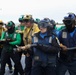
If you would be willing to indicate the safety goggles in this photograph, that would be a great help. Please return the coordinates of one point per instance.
(68, 22)
(43, 25)
(26, 20)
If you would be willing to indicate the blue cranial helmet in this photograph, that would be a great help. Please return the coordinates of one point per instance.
(70, 19)
(45, 23)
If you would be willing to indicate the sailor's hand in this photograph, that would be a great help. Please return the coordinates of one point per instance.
(19, 31)
(26, 47)
(19, 49)
(63, 47)
(22, 47)
(8, 40)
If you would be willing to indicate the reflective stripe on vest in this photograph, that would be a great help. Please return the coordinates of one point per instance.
(36, 39)
(13, 37)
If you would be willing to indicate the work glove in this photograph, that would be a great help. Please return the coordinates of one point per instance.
(64, 48)
(24, 48)
(2, 41)
(39, 46)
(19, 49)
(19, 31)
(7, 41)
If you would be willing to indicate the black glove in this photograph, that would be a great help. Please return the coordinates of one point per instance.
(39, 46)
(2, 41)
(46, 48)
(7, 41)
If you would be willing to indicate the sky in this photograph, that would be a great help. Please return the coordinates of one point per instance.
(53, 9)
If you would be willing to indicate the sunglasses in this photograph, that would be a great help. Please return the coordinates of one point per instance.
(26, 20)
